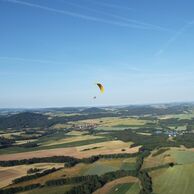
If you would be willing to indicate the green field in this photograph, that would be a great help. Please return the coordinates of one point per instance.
(126, 188)
(107, 165)
(99, 169)
(120, 188)
(182, 157)
(175, 180)
(179, 116)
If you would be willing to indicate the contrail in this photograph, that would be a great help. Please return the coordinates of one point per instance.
(77, 15)
(111, 5)
(175, 37)
(136, 22)
(31, 60)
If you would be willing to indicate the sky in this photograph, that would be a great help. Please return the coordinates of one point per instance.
(52, 53)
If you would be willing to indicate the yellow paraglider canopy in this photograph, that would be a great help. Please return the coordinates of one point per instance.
(101, 87)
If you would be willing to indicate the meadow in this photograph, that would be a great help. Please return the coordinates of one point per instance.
(176, 180)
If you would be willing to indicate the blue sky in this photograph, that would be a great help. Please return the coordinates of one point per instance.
(53, 52)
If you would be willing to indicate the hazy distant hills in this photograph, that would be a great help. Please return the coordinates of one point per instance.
(23, 120)
(93, 110)
(153, 110)
(37, 118)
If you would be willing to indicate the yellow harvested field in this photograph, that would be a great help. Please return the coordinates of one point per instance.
(107, 188)
(8, 135)
(148, 134)
(25, 141)
(109, 147)
(113, 121)
(77, 133)
(7, 174)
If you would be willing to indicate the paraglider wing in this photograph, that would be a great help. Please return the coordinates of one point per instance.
(101, 87)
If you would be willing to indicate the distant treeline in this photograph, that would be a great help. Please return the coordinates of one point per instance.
(185, 139)
(34, 176)
(53, 159)
(69, 161)
(150, 110)
(19, 189)
(5, 142)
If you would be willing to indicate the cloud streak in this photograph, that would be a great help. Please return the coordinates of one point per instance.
(111, 5)
(30, 60)
(124, 19)
(174, 38)
(81, 16)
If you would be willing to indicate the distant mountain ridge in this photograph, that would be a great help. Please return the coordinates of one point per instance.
(23, 120)
(93, 110)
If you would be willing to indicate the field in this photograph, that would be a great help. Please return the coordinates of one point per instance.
(7, 174)
(77, 138)
(115, 122)
(176, 155)
(54, 142)
(122, 185)
(108, 147)
(100, 167)
(179, 116)
(176, 180)
(103, 166)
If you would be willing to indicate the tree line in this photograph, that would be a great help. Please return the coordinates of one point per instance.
(69, 161)
(13, 190)
(34, 176)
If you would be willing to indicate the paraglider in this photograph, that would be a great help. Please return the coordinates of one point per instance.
(101, 87)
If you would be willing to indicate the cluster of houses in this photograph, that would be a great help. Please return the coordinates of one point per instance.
(84, 126)
(172, 133)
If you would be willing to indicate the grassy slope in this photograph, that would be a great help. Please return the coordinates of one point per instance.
(176, 155)
(124, 185)
(126, 188)
(120, 188)
(183, 157)
(103, 166)
(176, 180)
